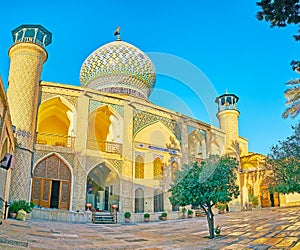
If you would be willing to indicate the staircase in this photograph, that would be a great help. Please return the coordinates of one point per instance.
(103, 218)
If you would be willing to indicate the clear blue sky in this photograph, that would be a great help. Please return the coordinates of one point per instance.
(221, 38)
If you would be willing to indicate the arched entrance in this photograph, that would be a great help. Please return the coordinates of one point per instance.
(51, 183)
(103, 188)
(268, 199)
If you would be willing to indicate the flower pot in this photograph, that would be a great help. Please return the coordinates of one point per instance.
(146, 219)
(127, 220)
(163, 218)
(183, 216)
(12, 215)
(190, 216)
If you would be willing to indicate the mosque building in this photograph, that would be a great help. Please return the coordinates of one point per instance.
(103, 143)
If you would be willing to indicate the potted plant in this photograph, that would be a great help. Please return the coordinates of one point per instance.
(127, 216)
(221, 206)
(190, 213)
(183, 210)
(13, 209)
(164, 216)
(146, 217)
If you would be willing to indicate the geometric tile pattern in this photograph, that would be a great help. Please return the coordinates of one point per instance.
(93, 104)
(119, 67)
(117, 164)
(38, 154)
(143, 119)
(25, 70)
(21, 174)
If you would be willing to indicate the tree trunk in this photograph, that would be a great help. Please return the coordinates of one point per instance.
(210, 221)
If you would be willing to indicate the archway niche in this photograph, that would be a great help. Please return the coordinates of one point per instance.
(51, 183)
(103, 188)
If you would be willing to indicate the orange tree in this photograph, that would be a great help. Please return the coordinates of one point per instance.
(205, 185)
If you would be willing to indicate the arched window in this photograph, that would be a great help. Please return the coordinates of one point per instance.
(157, 169)
(51, 183)
(139, 167)
(174, 168)
(139, 200)
(158, 200)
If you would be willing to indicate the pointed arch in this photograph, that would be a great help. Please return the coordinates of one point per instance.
(158, 198)
(102, 186)
(139, 167)
(56, 121)
(174, 168)
(51, 182)
(139, 200)
(158, 169)
(105, 125)
(157, 134)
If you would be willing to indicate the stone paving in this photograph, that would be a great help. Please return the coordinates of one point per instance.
(276, 228)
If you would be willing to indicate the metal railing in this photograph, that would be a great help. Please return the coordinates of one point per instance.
(55, 139)
(108, 147)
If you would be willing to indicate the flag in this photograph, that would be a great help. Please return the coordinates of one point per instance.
(117, 32)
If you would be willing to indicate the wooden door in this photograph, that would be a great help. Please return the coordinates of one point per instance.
(64, 195)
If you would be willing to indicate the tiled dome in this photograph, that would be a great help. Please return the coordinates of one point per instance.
(119, 67)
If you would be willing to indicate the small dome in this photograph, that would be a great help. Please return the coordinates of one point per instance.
(119, 67)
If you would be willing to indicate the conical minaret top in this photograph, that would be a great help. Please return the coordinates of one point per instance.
(30, 33)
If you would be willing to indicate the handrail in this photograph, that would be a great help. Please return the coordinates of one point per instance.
(108, 147)
(55, 139)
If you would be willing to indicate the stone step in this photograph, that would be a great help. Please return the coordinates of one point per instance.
(103, 218)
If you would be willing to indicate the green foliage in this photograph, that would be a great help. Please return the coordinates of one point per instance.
(146, 215)
(212, 182)
(293, 98)
(255, 201)
(183, 210)
(21, 204)
(281, 13)
(127, 215)
(190, 212)
(221, 206)
(164, 214)
(284, 160)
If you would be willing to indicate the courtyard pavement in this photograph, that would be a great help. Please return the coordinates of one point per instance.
(276, 228)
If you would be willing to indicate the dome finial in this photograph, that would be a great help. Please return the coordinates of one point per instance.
(117, 33)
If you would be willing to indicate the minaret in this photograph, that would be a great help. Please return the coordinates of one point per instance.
(228, 118)
(27, 56)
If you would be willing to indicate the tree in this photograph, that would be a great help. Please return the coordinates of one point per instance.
(285, 164)
(205, 185)
(293, 99)
(280, 13)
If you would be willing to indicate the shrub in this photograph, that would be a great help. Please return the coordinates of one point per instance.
(21, 204)
(255, 201)
(146, 215)
(221, 206)
(164, 214)
(190, 212)
(127, 215)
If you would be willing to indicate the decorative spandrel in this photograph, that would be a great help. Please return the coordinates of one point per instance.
(143, 119)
